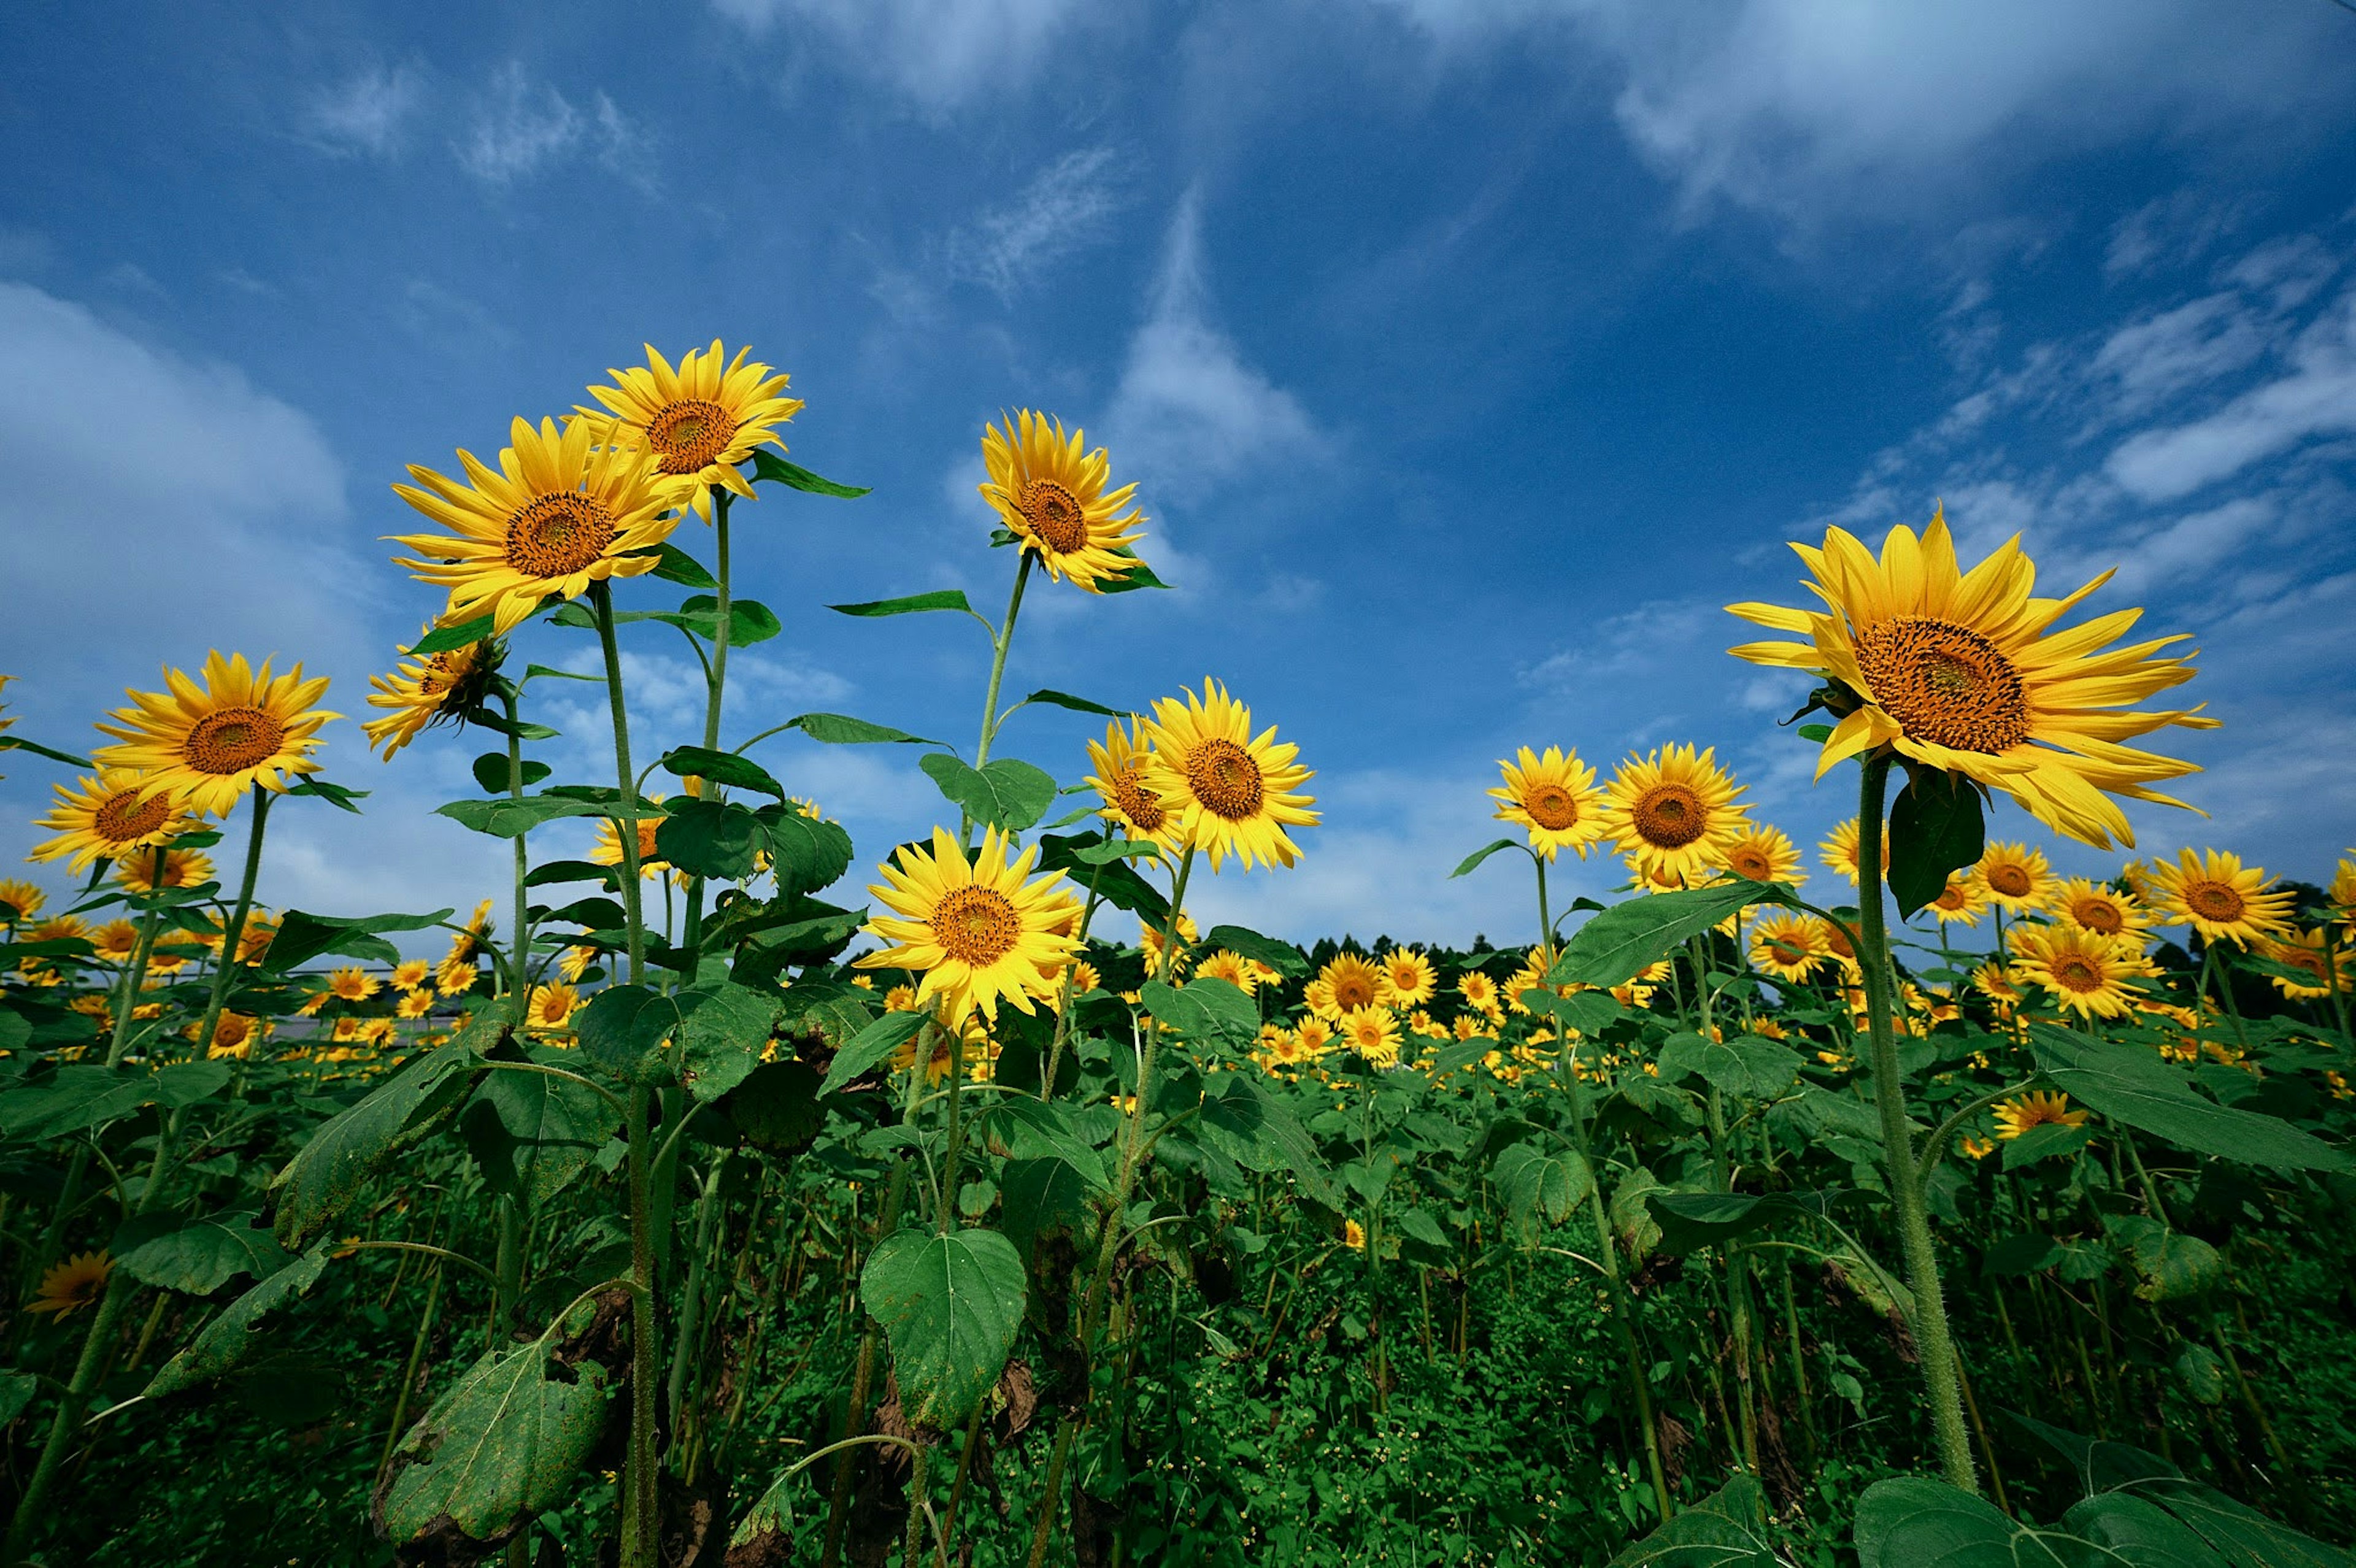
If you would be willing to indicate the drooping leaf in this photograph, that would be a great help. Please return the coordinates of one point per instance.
(1727, 1528)
(839, 729)
(2138, 1534)
(492, 771)
(303, 937)
(1076, 704)
(767, 465)
(1116, 883)
(1936, 828)
(1036, 1129)
(1747, 1067)
(908, 604)
(2134, 1086)
(721, 1039)
(533, 1133)
(506, 817)
(229, 1339)
(676, 566)
(749, 619)
(502, 1446)
(2242, 1536)
(1003, 793)
(81, 1095)
(710, 838)
(720, 768)
(1210, 1012)
(1472, 861)
(1691, 1221)
(1261, 1134)
(775, 1107)
(951, 1305)
(1281, 957)
(806, 854)
(1615, 945)
(196, 1255)
(1043, 1195)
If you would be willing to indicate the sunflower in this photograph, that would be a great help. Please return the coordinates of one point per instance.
(562, 511)
(20, 902)
(1353, 1235)
(1149, 941)
(233, 1034)
(1084, 977)
(2214, 894)
(411, 974)
(1841, 850)
(2343, 889)
(1788, 946)
(1961, 901)
(420, 693)
(1479, 991)
(1991, 980)
(2086, 972)
(2304, 951)
(980, 933)
(1766, 854)
(60, 928)
(1672, 813)
(1232, 793)
(261, 929)
(1345, 984)
(1555, 797)
(1409, 978)
(552, 1006)
(115, 940)
(1050, 492)
(2036, 1109)
(1373, 1033)
(700, 421)
(203, 745)
(2092, 906)
(1233, 967)
(1839, 943)
(182, 868)
(941, 1054)
(414, 1004)
(73, 1285)
(1978, 1148)
(1315, 1035)
(108, 815)
(2020, 879)
(1119, 777)
(1954, 671)
(353, 984)
(574, 961)
(607, 850)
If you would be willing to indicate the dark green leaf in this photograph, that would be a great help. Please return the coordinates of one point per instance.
(1138, 576)
(533, 1133)
(1003, 793)
(492, 773)
(229, 1339)
(2047, 1140)
(22, 744)
(710, 838)
(838, 729)
(450, 638)
(914, 604)
(1076, 704)
(1116, 884)
(1691, 1221)
(303, 937)
(1934, 829)
(1208, 1012)
(560, 872)
(2242, 1536)
(1541, 1184)
(1747, 1067)
(1281, 957)
(1636, 932)
(768, 465)
(678, 565)
(2131, 1086)
(722, 768)
(1910, 1521)
(1483, 853)
(334, 793)
(196, 1256)
(749, 619)
(951, 1305)
(806, 853)
(1043, 1195)
(2139, 1534)
(1727, 1528)
(508, 818)
(86, 1094)
(873, 1044)
(776, 1106)
(726, 1029)
(505, 1443)
(2024, 1254)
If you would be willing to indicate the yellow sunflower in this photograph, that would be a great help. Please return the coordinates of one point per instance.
(2020, 879)
(1555, 797)
(1788, 946)
(75, 1283)
(1840, 851)
(574, 961)
(1149, 941)
(1479, 991)
(109, 816)
(1373, 1033)
(2218, 897)
(562, 511)
(1346, 984)
(1353, 1235)
(1961, 901)
(203, 745)
(2092, 906)
(1956, 670)
(1120, 778)
(700, 421)
(552, 1006)
(1766, 854)
(1409, 978)
(1673, 814)
(420, 693)
(353, 984)
(1050, 491)
(115, 940)
(1084, 977)
(1991, 980)
(2090, 974)
(981, 933)
(233, 1034)
(20, 902)
(1233, 967)
(182, 868)
(1315, 1035)
(2036, 1109)
(414, 1004)
(60, 928)
(607, 850)
(2304, 951)
(1231, 792)
(410, 974)
(1839, 943)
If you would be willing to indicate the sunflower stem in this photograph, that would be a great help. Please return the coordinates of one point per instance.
(715, 677)
(1929, 1323)
(1004, 641)
(234, 937)
(1545, 915)
(639, 1547)
(519, 938)
(601, 599)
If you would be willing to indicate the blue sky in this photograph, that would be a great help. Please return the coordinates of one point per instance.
(1469, 355)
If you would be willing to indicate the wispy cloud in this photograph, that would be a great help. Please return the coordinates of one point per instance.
(369, 112)
(521, 126)
(941, 54)
(1066, 208)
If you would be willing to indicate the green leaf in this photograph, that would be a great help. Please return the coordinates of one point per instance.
(510, 819)
(334, 793)
(531, 1132)
(2023, 1253)
(1747, 1067)
(1819, 734)
(775, 1107)
(331, 1172)
(1936, 827)
(22, 744)
(2047, 1140)
(950, 1306)
(710, 838)
(1040, 1129)
(1910, 1521)
(1138, 576)
(2242, 1536)
(839, 730)
(1042, 1195)
(678, 565)
(722, 768)
(1209, 1012)
(874, 1043)
(2131, 1086)
(1483, 853)
(554, 872)
(450, 638)
(749, 619)
(2139, 1533)
(2200, 1372)
(1003, 793)
(1076, 704)
(1634, 934)
(1281, 957)
(17, 1391)
(1538, 1183)
(196, 1256)
(911, 604)
(1116, 884)
(492, 773)
(503, 1444)
(768, 465)
(303, 937)
(229, 1338)
(1258, 1133)
(1589, 1012)
(1692, 1220)
(2173, 1265)
(806, 853)
(86, 1094)
(1727, 1528)
(726, 1029)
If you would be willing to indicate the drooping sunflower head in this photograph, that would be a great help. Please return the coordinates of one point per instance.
(2088, 973)
(75, 1283)
(1673, 814)
(1765, 854)
(1957, 670)
(438, 689)
(204, 745)
(2220, 898)
(20, 902)
(1049, 489)
(1961, 901)
(2098, 907)
(698, 421)
(980, 933)
(2306, 954)
(1120, 778)
(181, 869)
(1409, 978)
(1232, 793)
(2020, 879)
(112, 815)
(1555, 797)
(561, 510)
(2036, 1109)
(1787, 945)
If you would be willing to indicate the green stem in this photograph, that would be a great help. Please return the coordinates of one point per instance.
(715, 685)
(639, 1546)
(233, 934)
(518, 938)
(1930, 1325)
(409, 1373)
(601, 598)
(1004, 641)
(1545, 915)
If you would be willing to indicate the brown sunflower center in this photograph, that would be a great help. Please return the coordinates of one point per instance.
(1951, 897)
(976, 927)
(2073, 972)
(1551, 806)
(1784, 952)
(2101, 914)
(1836, 938)
(1056, 518)
(1224, 778)
(1750, 862)
(1134, 801)
(1670, 816)
(2213, 901)
(2304, 959)
(1354, 990)
(2012, 882)
(691, 435)
(231, 740)
(125, 817)
(558, 534)
(1944, 684)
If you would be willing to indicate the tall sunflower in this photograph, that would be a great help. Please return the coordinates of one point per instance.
(698, 421)
(1673, 814)
(420, 693)
(2018, 877)
(109, 816)
(1050, 491)
(1787, 945)
(2090, 974)
(1766, 854)
(1957, 670)
(2220, 898)
(205, 745)
(607, 850)
(1555, 797)
(2305, 952)
(562, 510)
(1841, 850)
(182, 868)
(1120, 779)
(1231, 792)
(981, 933)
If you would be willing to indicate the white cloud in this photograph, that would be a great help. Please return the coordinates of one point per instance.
(521, 126)
(940, 53)
(1066, 208)
(2156, 358)
(368, 113)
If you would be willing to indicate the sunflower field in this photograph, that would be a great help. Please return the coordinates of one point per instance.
(740, 1195)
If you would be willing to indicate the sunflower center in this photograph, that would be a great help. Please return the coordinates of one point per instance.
(231, 740)
(1945, 684)
(1224, 778)
(1056, 518)
(1551, 806)
(558, 534)
(2012, 882)
(1785, 952)
(2303, 960)
(1836, 938)
(2101, 914)
(691, 435)
(1134, 801)
(2079, 974)
(2213, 901)
(976, 927)
(1670, 816)
(1951, 897)
(1749, 863)
(125, 817)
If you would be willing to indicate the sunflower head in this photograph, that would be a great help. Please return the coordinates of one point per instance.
(20, 902)
(438, 689)
(2099, 907)
(1787, 945)
(2036, 1109)
(1233, 967)
(2220, 898)
(1373, 1033)
(1347, 983)
(1119, 778)
(2085, 971)
(75, 1283)
(2309, 956)
(1961, 901)
(180, 869)
(698, 421)
(1765, 854)
(2018, 877)
(552, 1006)
(1409, 978)
(1554, 796)
(978, 931)
(1049, 490)
(203, 745)
(112, 815)
(1673, 814)
(1231, 792)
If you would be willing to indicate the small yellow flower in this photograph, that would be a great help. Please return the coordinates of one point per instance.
(1353, 1235)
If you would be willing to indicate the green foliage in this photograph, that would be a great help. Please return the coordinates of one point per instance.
(506, 1441)
(950, 1303)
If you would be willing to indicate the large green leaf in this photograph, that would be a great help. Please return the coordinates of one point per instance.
(196, 1255)
(1936, 827)
(1691, 1221)
(1003, 793)
(533, 1133)
(1633, 934)
(2242, 1536)
(1044, 1194)
(2139, 1533)
(2172, 1264)
(1038, 1129)
(720, 768)
(510, 819)
(81, 1095)
(710, 838)
(1727, 1528)
(303, 937)
(1910, 1521)
(806, 854)
(1210, 1012)
(2134, 1087)
(722, 1038)
(503, 1444)
(1539, 1183)
(1260, 1133)
(1281, 957)
(951, 1305)
(872, 1045)
(229, 1338)
(1747, 1067)
(1117, 883)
